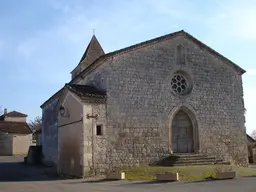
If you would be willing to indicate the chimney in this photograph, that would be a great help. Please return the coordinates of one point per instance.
(5, 111)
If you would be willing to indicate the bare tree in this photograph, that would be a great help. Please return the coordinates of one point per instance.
(36, 124)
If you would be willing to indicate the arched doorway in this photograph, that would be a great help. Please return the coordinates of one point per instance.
(182, 136)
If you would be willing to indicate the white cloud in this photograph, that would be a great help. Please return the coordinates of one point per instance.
(59, 5)
(27, 48)
(51, 54)
(234, 19)
(77, 25)
(168, 7)
(250, 72)
(220, 3)
(250, 105)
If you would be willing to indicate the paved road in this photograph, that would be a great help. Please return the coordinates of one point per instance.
(15, 176)
(12, 169)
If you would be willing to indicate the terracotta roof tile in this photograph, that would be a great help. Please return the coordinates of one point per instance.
(85, 90)
(15, 127)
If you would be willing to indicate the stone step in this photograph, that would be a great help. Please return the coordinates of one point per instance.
(175, 158)
(192, 160)
(189, 159)
(187, 155)
(200, 163)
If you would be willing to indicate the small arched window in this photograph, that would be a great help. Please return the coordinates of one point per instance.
(180, 55)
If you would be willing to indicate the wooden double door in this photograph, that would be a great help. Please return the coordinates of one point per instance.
(182, 133)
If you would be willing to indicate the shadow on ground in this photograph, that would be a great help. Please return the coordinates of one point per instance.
(100, 181)
(153, 182)
(249, 176)
(92, 181)
(202, 181)
(18, 171)
(166, 182)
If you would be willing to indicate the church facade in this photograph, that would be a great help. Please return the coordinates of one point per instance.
(172, 94)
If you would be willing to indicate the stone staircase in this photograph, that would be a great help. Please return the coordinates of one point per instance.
(190, 159)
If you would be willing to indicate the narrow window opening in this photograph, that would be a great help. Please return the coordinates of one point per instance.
(180, 55)
(99, 130)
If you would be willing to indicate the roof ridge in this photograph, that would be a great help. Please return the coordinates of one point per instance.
(15, 113)
(92, 52)
(156, 40)
(147, 43)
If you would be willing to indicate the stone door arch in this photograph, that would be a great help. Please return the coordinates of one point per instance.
(183, 137)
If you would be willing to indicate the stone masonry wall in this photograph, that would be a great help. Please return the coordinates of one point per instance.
(141, 103)
(95, 146)
(50, 133)
(70, 137)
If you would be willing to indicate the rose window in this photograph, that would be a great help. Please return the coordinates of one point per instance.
(179, 84)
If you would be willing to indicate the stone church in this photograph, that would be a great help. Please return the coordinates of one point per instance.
(172, 94)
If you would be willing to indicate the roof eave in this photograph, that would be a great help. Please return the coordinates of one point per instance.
(155, 40)
(52, 97)
(237, 67)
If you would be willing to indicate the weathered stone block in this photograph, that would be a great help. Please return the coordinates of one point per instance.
(116, 176)
(168, 176)
(226, 175)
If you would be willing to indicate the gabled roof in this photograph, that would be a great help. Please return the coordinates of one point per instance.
(93, 47)
(85, 91)
(14, 127)
(92, 52)
(81, 91)
(103, 57)
(12, 114)
(55, 95)
(160, 39)
(15, 114)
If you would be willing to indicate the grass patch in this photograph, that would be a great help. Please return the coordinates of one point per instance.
(185, 172)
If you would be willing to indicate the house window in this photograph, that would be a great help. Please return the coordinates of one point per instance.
(99, 130)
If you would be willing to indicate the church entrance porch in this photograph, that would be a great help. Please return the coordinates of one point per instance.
(182, 133)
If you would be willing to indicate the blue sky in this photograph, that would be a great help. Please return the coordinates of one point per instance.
(42, 41)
